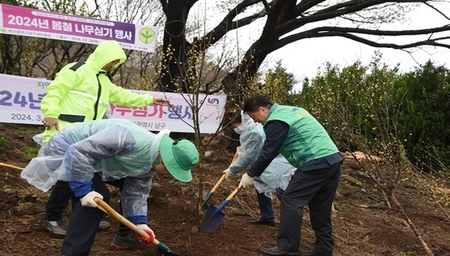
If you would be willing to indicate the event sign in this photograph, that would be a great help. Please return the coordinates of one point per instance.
(21, 21)
(20, 99)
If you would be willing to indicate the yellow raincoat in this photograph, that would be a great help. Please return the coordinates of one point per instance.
(82, 92)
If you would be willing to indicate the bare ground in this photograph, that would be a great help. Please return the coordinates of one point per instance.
(364, 224)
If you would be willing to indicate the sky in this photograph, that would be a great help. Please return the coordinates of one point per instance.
(303, 58)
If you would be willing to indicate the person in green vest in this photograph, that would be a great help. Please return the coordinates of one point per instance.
(110, 151)
(82, 92)
(304, 142)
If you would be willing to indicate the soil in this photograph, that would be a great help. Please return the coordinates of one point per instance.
(363, 224)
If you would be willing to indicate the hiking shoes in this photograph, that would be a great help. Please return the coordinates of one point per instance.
(58, 228)
(128, 241)
(103, 225)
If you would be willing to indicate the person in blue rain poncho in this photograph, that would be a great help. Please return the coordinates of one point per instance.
(277, 174)
(81, 92)
(112, 151)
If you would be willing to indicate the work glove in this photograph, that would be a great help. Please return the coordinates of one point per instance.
(88, 199)
(246, 180)
(227, 173)
(147, 230)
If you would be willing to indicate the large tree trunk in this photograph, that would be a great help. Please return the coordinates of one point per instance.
(175, 46)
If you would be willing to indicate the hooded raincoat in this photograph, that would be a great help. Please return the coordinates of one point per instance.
(82, 91)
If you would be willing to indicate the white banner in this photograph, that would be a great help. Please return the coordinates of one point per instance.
(20, 99)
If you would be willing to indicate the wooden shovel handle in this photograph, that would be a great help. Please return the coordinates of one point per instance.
(11, 166)
(102, 205)
(230, 197)
(214, 189)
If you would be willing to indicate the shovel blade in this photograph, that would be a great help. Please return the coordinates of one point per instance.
(212, 219)
(204, 209)
(166, 250)
(205, 205)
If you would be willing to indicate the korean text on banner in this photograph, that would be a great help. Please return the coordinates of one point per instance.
(21, 21)
(20, 99)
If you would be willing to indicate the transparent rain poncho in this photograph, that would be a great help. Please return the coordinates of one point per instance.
(276, 175)
(251, 142)
(116, 148)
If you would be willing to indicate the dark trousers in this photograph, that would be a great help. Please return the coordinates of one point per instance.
(265, 205)
(84, 222)
(315, 188)
(58, 201)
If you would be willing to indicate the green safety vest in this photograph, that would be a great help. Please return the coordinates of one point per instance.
(306, 140)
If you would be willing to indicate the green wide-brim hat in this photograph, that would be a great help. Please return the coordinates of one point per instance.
(179, 157)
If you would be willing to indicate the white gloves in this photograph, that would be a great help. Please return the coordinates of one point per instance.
(228, 173)
(88, 199)
(147, 230)
(246, 181)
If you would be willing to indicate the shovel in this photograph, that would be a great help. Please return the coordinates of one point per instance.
(214, 189)
(102, 205)
(214, 216)
(211, 193)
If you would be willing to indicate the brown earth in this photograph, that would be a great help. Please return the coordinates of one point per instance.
(363, 224)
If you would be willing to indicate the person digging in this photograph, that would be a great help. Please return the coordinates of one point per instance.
(111, 151)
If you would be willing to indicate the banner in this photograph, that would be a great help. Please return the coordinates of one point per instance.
(20, 99)
(36, 23)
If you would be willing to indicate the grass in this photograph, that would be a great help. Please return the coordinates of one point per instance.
(4, 144)
(31, 151)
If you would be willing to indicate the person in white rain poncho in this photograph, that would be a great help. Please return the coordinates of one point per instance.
(113, 151)
(277, 174)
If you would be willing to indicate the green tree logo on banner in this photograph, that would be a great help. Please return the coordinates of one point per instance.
(146, 35)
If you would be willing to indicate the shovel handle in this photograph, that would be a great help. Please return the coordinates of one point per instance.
(12, 166)
(239, 188)
(219, 182)
(105, 207)
(229, 198)
(214, 189)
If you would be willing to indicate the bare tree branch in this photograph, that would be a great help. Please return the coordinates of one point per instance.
(349, 33)
(357, 20)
